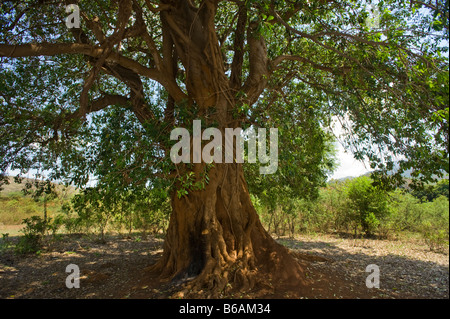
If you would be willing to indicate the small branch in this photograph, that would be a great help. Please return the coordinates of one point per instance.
(281, 58)
(99, 104)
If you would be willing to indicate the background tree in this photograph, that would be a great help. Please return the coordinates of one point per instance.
(231, 64)
(367, 205)
(40, 190)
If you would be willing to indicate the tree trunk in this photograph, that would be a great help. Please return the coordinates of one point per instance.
(216, 241)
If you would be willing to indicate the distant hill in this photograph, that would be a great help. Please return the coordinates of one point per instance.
(15, 188)
(406, 175)
(343, 179)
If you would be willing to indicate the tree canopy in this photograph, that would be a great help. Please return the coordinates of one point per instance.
(378, 67)
(100, 100)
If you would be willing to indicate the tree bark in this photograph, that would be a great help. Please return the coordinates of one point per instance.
(216, 241)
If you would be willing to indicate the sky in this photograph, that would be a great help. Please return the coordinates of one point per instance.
(348, 166)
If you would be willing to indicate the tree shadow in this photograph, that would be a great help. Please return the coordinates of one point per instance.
(400, 276)
(114, 269)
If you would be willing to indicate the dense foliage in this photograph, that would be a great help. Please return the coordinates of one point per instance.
(357, 208)
(379, 68)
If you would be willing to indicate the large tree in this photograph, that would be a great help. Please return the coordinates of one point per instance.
(102, 98)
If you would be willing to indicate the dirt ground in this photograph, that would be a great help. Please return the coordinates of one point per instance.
(118, 270)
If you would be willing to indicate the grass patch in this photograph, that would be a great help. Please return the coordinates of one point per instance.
(14, 208)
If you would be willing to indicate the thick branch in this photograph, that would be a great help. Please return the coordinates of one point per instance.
(52, 49)
(100, 104)
(81, 113)
(95, 27)
(238, 59)
(146, 36)
(259, 65)
(159, 8)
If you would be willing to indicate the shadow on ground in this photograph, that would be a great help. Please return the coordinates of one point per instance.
(116, 269)
(400, 276)
(107, 270)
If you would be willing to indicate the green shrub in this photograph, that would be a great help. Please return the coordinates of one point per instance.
(434, 226)
(28, 244)
(368, 205)
(33, 230)
(434, 236)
